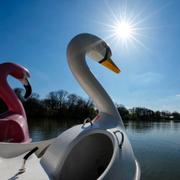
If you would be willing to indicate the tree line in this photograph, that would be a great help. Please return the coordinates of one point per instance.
(65, 106)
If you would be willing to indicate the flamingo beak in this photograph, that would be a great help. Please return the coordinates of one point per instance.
(27, 87)
(108, 63)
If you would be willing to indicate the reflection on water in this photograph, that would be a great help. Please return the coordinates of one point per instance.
(157, 148)
(156, 144)
(43, 129)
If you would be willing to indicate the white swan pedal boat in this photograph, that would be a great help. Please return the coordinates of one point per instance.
(97, 149)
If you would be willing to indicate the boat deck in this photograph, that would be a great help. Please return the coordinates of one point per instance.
(9, 168)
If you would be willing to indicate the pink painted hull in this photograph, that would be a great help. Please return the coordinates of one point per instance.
(13, 128)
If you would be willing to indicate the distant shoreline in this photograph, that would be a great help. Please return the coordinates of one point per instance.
(72, 121)
(65, 106)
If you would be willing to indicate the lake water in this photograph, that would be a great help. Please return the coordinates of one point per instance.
(156, 145)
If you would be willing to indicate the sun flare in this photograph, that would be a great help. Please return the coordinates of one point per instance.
(126, 28)
(123, 30)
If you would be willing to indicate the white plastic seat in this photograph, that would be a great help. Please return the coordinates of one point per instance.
(85, 157)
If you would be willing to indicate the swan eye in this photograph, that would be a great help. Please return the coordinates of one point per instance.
(107, 53)
(104, 44)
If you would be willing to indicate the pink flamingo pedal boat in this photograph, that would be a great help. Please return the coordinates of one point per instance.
(13, 123)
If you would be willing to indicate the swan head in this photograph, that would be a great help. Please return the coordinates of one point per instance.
(94, 47)
(19, 72)
(101, 53)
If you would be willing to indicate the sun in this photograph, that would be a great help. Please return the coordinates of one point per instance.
(123, 30)
(126, 28)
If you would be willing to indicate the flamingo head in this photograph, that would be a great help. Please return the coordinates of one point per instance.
(19, 72)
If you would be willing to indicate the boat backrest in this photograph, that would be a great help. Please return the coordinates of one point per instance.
(10, 131)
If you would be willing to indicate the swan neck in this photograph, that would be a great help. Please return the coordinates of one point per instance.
(90, 84)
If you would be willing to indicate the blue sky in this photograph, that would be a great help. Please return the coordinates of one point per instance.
(36, 33)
